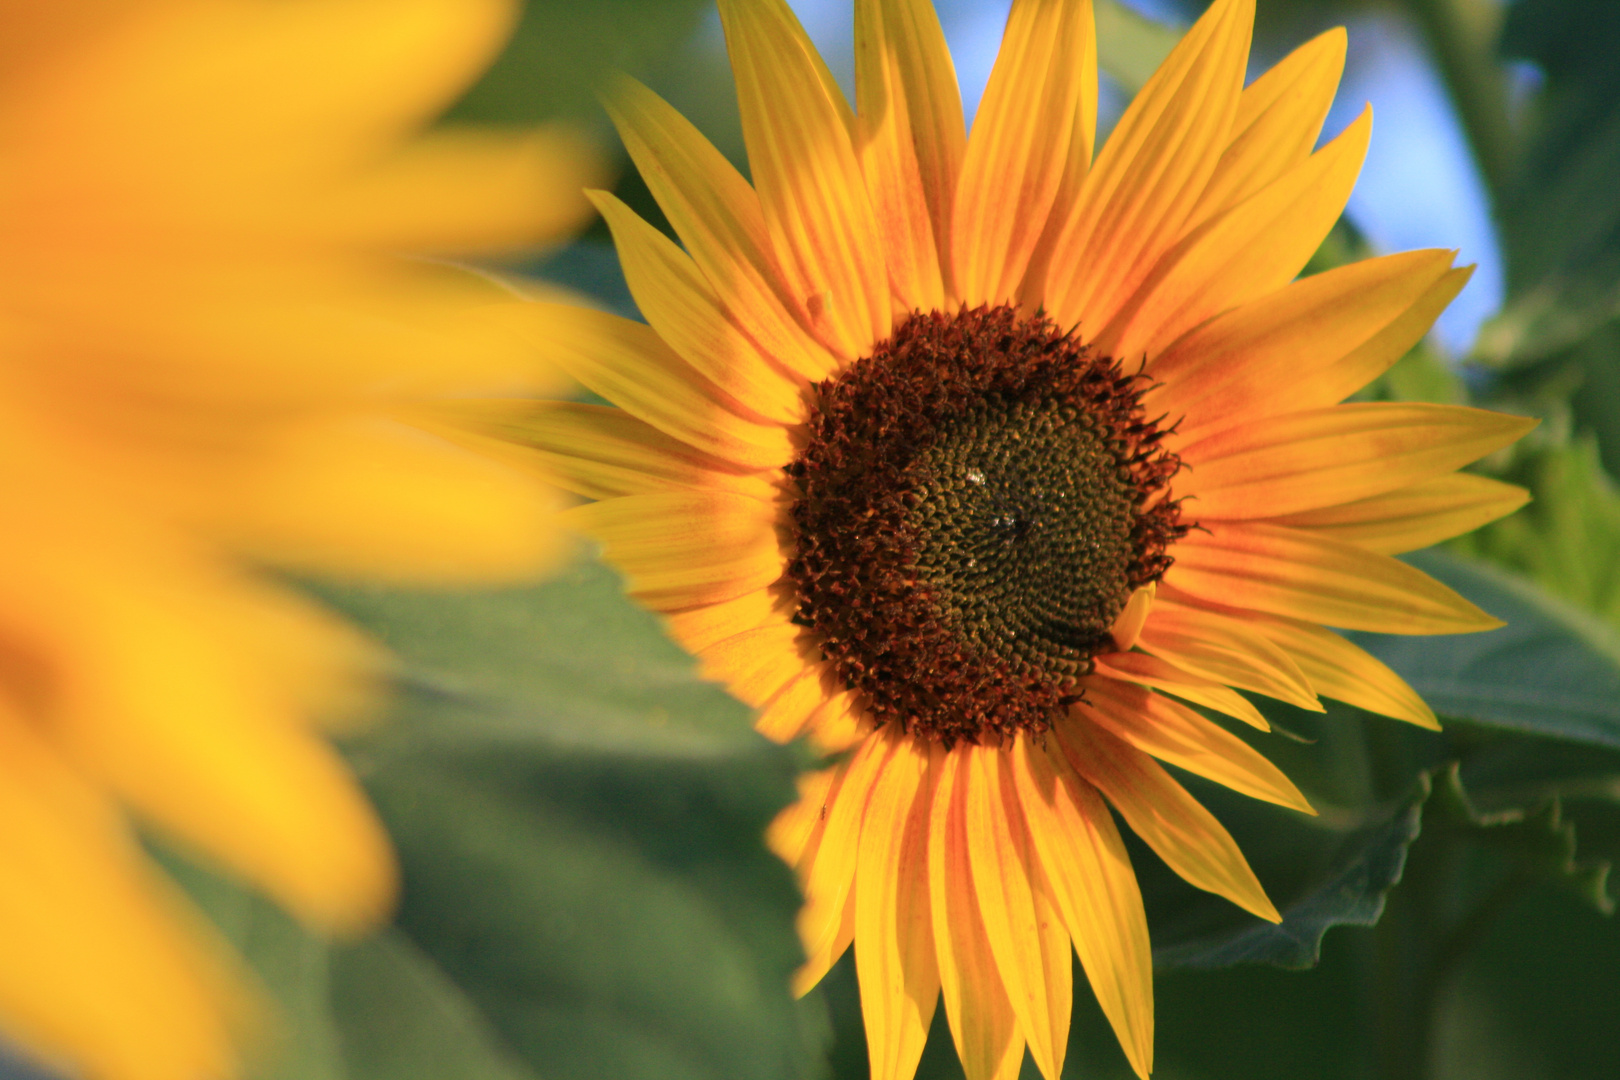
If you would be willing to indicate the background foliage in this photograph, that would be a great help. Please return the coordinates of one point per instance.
(579, 817)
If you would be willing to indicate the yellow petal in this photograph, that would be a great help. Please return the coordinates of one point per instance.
(630, 365)
(1413, 517)
(1085, 866)
(1082, 141)
(827, 866)
(793, 830)
(1174, 733)
(1250, 361)
(1324, 457)
(1146, 670)
(1252, 250)
(594, 450)
(361, 494)
(1018, 149)
(810, 185)
(1133, 616)
(682, 549)
(1379, 353)
(1345, 672)
(719, 219)
(1135, 202)
(787, 715)
(911, 139)
(1226, 651)
(676, 301)
(1292, 573)
(1036, 975)
(983, 1025)
(839, 724)
(104, 975)
(894, 946)
(1278, 119)
(462, 192)
(169, 710)
(1159, 810)
(755, 665)
(696, 628)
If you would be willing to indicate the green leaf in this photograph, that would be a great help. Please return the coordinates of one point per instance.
(579, 821)
(1567, 539)
(376, 1010)
(1350, 887)
(1350, 872)
(1552, 670)
(562, 53)
(1539, 842)
(1560, 220)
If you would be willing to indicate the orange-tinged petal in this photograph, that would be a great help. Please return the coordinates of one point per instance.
(912, 139)
(678, 302)
(104, 974)
(901, 67)
(1088, 873)
(630, 365)
(787, 715)
(755, 665)
(1278, 119)
(1018, 149)
(1292, 573)
(838, 724)
(1159, 810)
(1415, 516)
(894, 946)
(697, 628)
(1082, 142)
(1006, 883)
(1251, 250)
(1226, 651)
(1325, 457)
(682, 549)
(983, 1025)
(1174, 733)
(792, 831)
(1147, 670)
(1135, 202)
(1250, 361)
(596, 451)
(827, 866)
(810, 186)
(719, 219)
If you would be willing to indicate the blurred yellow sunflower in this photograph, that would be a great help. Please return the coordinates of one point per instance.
(981, 457)
(209, 347)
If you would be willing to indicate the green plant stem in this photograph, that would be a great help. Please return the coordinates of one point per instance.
(1462, 35)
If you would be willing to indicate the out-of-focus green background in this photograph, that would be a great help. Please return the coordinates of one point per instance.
(579, 817)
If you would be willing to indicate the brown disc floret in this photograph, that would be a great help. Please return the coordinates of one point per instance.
(974, 504)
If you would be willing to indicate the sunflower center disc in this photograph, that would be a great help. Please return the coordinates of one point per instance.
(976, 501)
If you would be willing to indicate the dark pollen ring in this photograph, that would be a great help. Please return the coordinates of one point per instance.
(975, 503)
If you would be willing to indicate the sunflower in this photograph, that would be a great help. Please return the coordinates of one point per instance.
(981, 459)
(209, 352)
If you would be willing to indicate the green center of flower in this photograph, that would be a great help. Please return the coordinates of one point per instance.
(976, 501)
